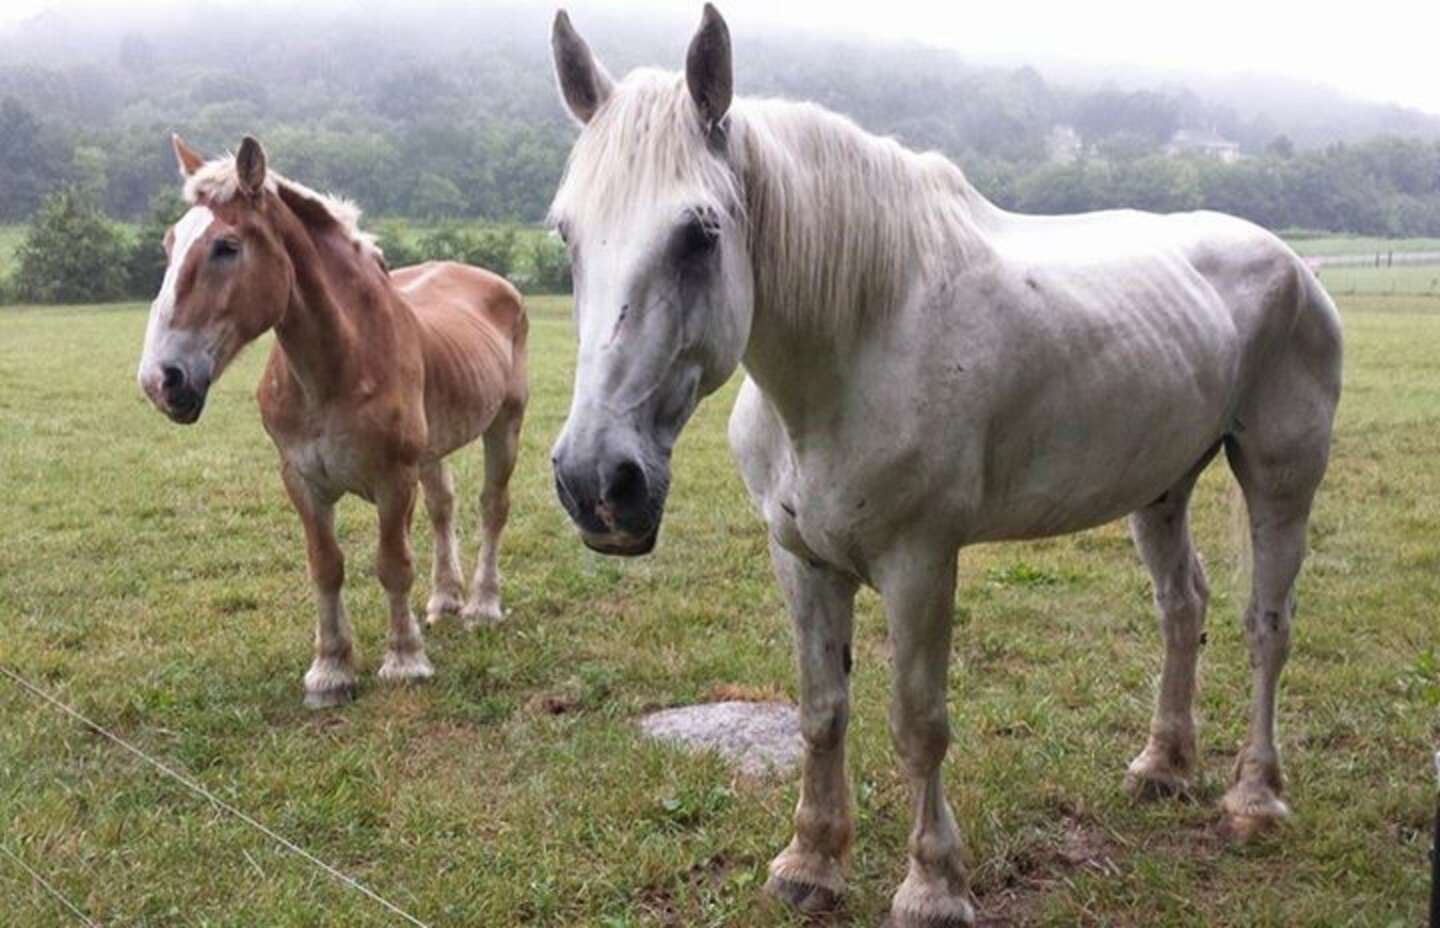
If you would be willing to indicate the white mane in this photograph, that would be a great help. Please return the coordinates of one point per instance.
(218, 182)
(837, 219)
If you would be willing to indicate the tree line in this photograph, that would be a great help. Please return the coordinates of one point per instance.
(444, 122)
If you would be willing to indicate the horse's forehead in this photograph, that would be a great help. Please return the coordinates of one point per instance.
(189, 229)
(184, 234)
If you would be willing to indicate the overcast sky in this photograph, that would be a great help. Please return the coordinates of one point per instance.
(1386, 50)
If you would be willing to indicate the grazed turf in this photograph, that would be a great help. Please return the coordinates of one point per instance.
(154, 577)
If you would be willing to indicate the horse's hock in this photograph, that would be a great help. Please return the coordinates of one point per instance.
(757, 738)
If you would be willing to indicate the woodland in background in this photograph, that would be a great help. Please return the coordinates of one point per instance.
(452, 115)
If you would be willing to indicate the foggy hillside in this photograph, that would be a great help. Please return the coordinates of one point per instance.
(453, 111)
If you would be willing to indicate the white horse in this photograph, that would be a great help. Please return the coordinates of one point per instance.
(926, 371)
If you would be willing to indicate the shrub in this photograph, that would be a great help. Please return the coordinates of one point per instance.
(549, 266)
(72, 253)
(492, 249)
(399, 248)
(145, 265)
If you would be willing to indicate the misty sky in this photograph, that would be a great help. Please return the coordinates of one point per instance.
(1379, 50)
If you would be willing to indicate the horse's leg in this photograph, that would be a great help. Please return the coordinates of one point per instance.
(1278, 494)
(1278, 452)
(807, 874)
(447, 592)
(404, 648)
(919, 593)
(1162, 536)
(330, 681)
(502, 446)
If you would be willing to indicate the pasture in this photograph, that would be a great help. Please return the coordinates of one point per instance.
(153, 576)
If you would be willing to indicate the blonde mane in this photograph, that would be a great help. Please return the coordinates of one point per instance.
(217, 181)
(840, 223)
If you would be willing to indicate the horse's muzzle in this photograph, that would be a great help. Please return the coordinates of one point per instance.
(616, 504)
(178, 394)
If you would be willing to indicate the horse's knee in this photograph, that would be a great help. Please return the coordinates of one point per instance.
(1182, 604)
(327, 570)
(921, 732)
(495, 504)
(823, 722)
(396, 570)
(439, 499)
(1267, 630)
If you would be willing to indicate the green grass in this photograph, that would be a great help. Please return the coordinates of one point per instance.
(154, 576)
(1323, 245)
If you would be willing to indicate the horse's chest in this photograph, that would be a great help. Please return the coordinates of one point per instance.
(331, 463)
(823, 519)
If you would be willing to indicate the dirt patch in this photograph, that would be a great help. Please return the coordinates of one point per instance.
(666, 905)
(560, 702)
(1031, 872)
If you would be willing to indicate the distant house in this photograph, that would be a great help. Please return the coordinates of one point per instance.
(1204, 142)
(1063, 144)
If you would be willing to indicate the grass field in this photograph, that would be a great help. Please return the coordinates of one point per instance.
(1399, 280)
(153, 576)
(1359, 245)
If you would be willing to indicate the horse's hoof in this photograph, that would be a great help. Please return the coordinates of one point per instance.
(1252, 810)
(330, 698)
(442, 605)
(1151, 783)
(948, 919)
(809, 898)
(930, 904)
(409, 667)
(476, 614)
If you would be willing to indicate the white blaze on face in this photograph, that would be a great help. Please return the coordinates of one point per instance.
(188, 231)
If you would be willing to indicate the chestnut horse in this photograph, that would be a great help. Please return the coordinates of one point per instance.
(925, 372)
(375, 377)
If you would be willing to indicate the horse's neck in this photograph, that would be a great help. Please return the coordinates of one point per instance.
(836, 260)
(335, 308)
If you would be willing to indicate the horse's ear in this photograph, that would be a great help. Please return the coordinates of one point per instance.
(250, 166)
(188, 159)
(584, 83)
(709, 72)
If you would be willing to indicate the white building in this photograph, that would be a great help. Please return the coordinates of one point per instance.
(1204, 142)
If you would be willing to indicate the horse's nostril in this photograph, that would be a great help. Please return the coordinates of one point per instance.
(171, 377)
(626, 484)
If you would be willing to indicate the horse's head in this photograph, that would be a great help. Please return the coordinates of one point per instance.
(228, 279)
(653, 215)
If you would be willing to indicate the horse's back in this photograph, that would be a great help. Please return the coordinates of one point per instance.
(445, 295)
(1119, 349)
(473, 328)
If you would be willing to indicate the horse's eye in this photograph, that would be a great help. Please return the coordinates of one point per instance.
(224, 248)
(698, 235)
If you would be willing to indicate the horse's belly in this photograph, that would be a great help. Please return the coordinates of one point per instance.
(1069, 474)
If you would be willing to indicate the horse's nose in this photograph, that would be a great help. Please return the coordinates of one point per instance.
(172, 378)
(624, 486)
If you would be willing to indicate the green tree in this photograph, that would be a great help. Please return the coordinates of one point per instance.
(436, 197)
(31, 160)
(71, 254)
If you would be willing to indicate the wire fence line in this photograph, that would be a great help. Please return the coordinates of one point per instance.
(45, 884)
(198, 789)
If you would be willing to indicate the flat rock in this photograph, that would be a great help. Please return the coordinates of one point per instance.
(757, 738)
